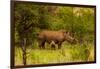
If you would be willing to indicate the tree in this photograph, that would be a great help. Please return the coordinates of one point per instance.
(24, 23)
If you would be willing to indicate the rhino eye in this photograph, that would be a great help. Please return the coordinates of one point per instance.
(66, 32)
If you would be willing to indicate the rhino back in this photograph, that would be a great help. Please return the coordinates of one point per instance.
(52, 35)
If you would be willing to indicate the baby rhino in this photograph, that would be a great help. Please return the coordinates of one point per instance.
(54, 37)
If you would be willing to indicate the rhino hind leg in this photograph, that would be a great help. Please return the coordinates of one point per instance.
(42, 45)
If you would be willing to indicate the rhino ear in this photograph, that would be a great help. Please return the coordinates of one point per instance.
(67, 32)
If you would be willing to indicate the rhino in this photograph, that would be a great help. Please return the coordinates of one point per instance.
(54, 37)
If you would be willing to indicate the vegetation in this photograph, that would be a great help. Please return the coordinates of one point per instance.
(32, 18)
(67, 54)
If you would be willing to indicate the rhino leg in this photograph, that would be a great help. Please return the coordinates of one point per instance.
(52, 44)
(42, 44)
(59, 45)
(53, 47)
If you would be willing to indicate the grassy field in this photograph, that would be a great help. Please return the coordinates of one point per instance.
(68, 53)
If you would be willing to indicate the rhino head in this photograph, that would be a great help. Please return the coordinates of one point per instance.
(69, 38)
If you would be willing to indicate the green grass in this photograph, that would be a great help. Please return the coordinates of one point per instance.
(68, 53)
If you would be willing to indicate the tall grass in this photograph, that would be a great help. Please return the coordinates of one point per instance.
(68, 53)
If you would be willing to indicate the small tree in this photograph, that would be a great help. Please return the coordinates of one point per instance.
(24, 22)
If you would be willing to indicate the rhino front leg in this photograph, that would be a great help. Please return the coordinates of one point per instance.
(59, 45)
(52, 44)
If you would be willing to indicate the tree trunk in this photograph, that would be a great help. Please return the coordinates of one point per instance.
(24, 51)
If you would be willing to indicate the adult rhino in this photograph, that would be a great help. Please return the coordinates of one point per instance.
(54, 37)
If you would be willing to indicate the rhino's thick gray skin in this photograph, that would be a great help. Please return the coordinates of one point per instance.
(55, 37)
